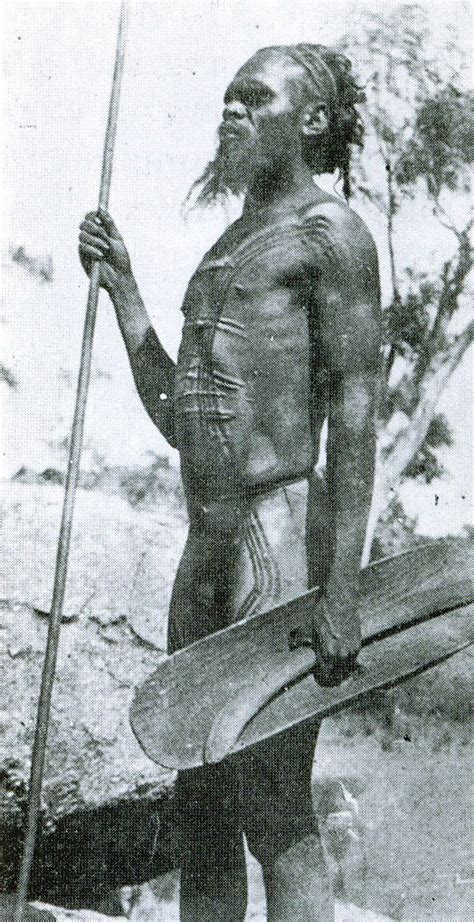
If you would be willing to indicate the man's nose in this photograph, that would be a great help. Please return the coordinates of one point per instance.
(234, 110)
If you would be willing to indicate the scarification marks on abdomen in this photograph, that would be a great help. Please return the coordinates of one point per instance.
(265, 571)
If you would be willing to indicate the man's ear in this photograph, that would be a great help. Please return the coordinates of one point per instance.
(315, 121)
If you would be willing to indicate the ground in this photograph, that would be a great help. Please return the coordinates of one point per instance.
(406, 759)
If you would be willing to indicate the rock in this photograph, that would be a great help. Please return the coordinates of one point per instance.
(122, 559)
(82, 915)
(158, 900)
(122, 564)
(30, 913)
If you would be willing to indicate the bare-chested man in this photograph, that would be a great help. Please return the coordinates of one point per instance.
(281, 332)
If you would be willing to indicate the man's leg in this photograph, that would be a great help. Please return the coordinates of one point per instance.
(287, 548)
(281, 826)
(298, 885)
(213, 871)
(296, 875)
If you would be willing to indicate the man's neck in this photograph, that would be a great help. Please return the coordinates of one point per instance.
(276, 189)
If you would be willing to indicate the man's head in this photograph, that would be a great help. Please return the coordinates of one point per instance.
(287, 101)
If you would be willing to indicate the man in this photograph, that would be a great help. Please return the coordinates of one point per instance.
(281, 332)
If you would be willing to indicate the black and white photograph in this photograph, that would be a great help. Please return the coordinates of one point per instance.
(236, 578)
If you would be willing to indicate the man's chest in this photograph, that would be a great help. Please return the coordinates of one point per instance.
(242, 379)
(249, 299)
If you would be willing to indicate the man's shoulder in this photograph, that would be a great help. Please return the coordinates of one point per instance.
(333, 220)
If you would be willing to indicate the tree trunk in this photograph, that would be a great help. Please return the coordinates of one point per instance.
(388, 470)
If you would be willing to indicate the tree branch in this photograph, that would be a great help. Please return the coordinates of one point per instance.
(391, 211)
(434, 382)
(453, 277)
(388, 365)
(448, 223)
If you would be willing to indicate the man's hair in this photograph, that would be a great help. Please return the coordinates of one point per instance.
(329, 79)
(345, 123)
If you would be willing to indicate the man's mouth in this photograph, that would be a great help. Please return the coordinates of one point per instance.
(231, 131)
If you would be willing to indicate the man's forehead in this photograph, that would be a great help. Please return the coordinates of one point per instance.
(246, 82)
(265, 71)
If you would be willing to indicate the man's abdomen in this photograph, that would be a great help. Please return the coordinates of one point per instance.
(242, 400)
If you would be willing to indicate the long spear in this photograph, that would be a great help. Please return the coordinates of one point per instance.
(72, 475)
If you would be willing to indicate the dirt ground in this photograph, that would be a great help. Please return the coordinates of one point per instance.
(414, 791)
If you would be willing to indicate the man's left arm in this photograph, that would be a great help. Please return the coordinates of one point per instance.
(349, 333)
(350, 475)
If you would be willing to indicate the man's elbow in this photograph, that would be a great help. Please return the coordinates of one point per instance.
(161, 413)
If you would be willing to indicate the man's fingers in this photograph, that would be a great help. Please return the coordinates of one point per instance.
(327, 673)
(92, 216)
(322, 674)
(90, 252)
(92, 240)
(327, 647)
(102, 218)
(107, 221)
(330, 672)
(96, 230)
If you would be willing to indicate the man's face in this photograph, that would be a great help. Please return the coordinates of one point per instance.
(260, 126)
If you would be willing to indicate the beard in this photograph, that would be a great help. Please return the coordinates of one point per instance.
(238, 160)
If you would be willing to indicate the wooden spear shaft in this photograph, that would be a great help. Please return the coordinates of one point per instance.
(72, 475)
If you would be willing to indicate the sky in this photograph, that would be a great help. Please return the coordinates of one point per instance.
(58, 60)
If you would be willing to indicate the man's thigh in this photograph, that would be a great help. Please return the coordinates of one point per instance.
(276, 805)
(208, 825)
(264, 792)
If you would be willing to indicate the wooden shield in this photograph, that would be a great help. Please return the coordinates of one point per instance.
(244, 684)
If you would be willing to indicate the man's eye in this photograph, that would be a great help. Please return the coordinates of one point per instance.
(250, 97)
(254, 98)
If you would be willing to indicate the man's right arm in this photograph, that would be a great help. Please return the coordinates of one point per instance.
(152, 368)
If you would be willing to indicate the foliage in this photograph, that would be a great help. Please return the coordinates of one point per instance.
(8, 377)
(41, 267)
(442, 143)
(140, 485)
(425, 464)
(396, 531)
(419, 147)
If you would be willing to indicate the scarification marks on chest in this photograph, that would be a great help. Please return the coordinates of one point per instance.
(211, 286)
(214, 422)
